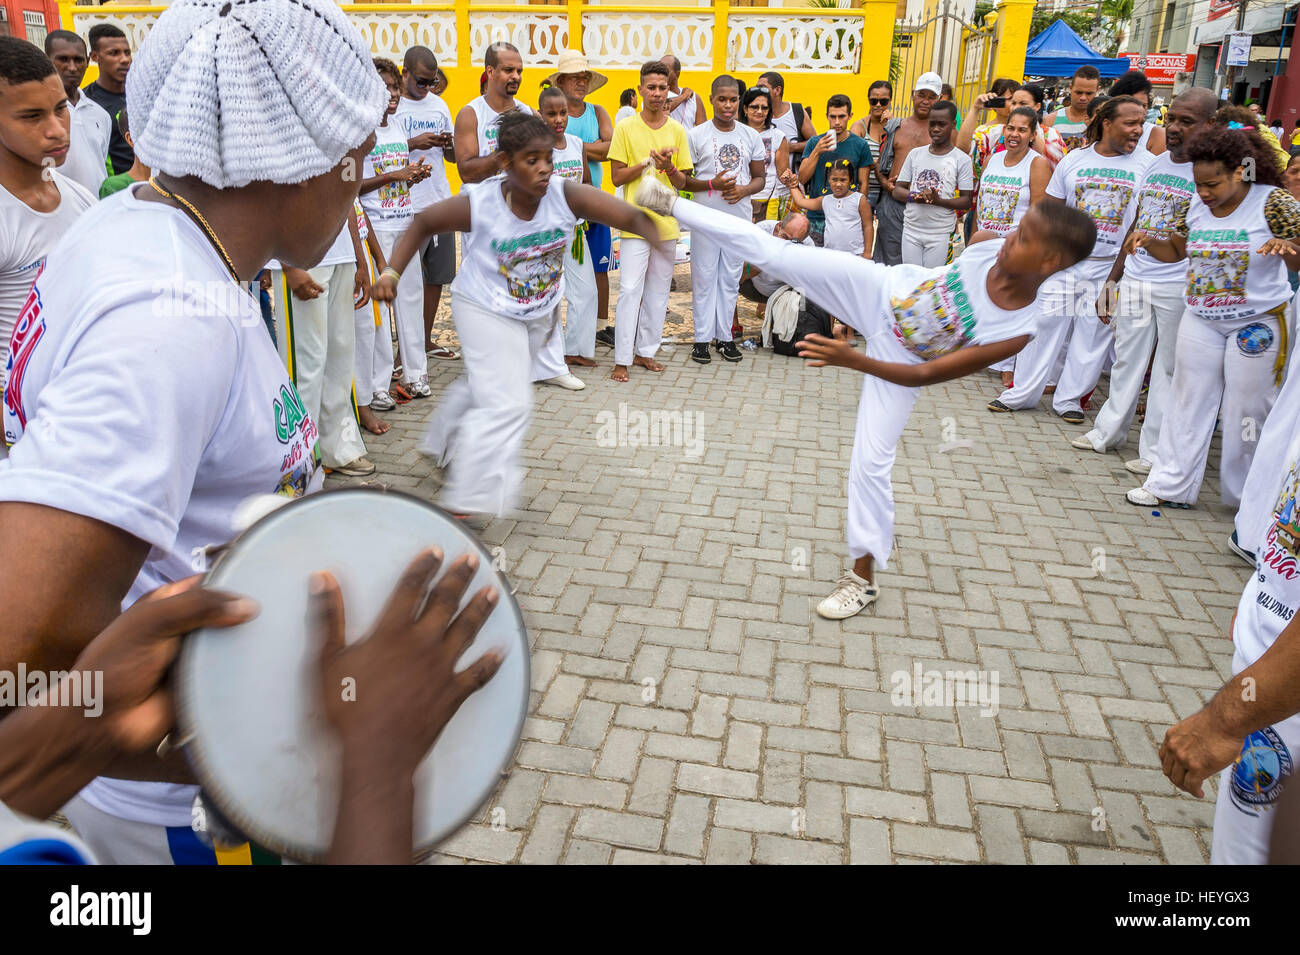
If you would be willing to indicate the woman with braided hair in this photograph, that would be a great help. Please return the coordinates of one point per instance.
(1239, 238)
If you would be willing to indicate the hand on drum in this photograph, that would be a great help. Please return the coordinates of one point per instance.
(402, 675)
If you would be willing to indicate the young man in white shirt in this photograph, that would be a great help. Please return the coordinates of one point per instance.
(92, 127)
(38, 204)
(428, 125)
(729, 157)
(934, 183)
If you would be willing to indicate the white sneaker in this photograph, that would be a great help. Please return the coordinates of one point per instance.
(382, 401)
(569, 381)
(655, 196)
(1082, 443)
(420, 387)
(851, 595)
(1142, 497)
(1138, 466)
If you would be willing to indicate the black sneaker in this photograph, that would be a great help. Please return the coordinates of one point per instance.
(730, 352)
(700, 353)
(998, 406)
(606, 336)
(1072, 417)
(1235, 546)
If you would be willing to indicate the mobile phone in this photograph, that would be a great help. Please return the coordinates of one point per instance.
(830, 137)
(996, 102)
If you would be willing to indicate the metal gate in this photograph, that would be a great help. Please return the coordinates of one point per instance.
(945, 43)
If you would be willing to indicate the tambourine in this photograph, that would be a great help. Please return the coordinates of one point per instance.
(250, 713)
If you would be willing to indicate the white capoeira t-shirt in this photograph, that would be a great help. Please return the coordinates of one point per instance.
(489, 122)
(1249, 789)
(389, 207)
(151, 399)
(511, 266)
(729, 152)
(1104, 187)
(935, 311)
(1004, 193)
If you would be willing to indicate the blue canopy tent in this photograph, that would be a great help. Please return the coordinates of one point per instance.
(1058, 51)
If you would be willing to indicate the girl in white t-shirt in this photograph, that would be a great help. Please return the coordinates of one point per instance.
(848, 214)
(1239, 240)
(578, 344)
(517, 226)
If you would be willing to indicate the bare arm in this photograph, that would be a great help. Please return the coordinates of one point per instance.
(449, 215)
(902, 191)
(596, 206)
(808, 165)
(620, 174)
(821, 351)
(599, 150)
(782, 164)
(1264, 693)
(65, 578)
(469, 164)
(971, 121)
(1040, 174)
(864, 210)
(699, 111)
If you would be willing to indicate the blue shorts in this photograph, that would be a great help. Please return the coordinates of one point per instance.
(600, 241)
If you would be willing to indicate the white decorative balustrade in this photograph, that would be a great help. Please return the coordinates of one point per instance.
(540, 37)
(626, 40)
(135, 25)
(391, 34)
(794, 42)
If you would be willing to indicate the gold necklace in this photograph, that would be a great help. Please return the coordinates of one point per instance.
(202, 222)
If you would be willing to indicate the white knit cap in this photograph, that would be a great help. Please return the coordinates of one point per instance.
(236, 91)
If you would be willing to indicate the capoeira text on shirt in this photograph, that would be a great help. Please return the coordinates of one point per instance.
(1218, 262)
(1104, 194)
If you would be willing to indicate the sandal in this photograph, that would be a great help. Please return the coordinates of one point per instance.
(397, 373)
(446, 354)
(399, 393)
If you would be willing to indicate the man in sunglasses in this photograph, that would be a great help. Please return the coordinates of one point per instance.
(425, 118)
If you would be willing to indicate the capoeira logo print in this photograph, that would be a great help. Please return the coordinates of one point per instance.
(532, 265)
(1104, 201)
(997, 205)
(927, 179)
(1260, 769)
(936, 318)
(728, 157)
(1217, 274)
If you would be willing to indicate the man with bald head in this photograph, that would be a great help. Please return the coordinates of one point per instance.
(683, 105)
(1144, 297)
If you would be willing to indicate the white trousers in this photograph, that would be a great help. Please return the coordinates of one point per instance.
(928, 250)
(1148, 315)
(580, 293)
(408, 310)
(317, 339)
(1268, 466)
(644, 276)
(479, 425)
(715, 284)
(1213, 368)
(1069, 303)
(374, 343)
(856, 291)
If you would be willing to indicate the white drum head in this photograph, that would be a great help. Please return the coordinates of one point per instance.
(248, 700)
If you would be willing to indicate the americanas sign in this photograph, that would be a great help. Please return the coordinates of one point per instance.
(1162, 67)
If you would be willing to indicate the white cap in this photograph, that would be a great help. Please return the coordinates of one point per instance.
(931, 82)
(252, 90)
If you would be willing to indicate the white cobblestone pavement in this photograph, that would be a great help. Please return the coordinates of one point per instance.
(689, 705)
